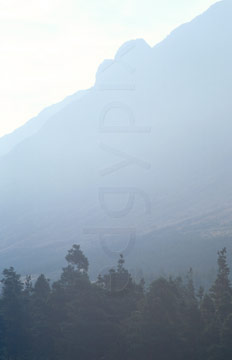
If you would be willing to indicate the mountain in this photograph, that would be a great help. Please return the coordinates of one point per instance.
(9, 141)
(138, 164)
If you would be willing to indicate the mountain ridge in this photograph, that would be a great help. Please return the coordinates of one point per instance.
(151, 126)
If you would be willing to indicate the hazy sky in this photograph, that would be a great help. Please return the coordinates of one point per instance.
(52, 48)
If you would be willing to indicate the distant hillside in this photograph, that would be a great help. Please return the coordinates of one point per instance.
(146, 150)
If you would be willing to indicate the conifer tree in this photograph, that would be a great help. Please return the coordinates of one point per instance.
(221, 291)
(13, 314)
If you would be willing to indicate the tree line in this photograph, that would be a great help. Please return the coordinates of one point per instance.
(114, 317)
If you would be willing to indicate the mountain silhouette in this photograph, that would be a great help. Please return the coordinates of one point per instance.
(145, 151)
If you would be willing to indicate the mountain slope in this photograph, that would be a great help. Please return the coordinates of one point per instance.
(147, 148)
(8, 142)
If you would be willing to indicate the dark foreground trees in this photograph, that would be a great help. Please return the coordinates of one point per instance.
(114, 318)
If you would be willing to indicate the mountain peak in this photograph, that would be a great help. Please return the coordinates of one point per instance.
(128, 57)
(140, 45)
